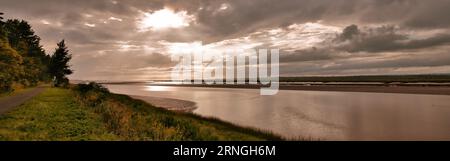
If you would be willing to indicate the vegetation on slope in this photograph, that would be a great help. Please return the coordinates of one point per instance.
(136, 120)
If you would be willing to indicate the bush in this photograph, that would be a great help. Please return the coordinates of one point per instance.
(92, 93)
(92, 86)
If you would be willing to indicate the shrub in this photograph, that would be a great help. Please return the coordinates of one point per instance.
(92, 86)
(92, 93)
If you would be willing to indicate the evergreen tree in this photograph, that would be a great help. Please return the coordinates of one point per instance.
(22, 37)
(59, 66)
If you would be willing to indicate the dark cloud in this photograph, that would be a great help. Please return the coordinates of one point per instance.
(383, 39)
(349, 32)
(373, 40)
(354, 42)
(243, 17)
(312, 54)
(380, 64)
(429, 14)
(248, 16)
(379, 39)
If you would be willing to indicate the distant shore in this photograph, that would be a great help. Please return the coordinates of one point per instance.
(433, 90)
(417, 88)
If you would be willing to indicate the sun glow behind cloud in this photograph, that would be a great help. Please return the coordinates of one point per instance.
(291, 38)
(163, 19)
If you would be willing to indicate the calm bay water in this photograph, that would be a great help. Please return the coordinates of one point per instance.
(317, 114)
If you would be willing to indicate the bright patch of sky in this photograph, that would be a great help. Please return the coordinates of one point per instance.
(162, 19)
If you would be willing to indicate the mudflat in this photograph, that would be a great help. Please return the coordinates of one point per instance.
(169, 103)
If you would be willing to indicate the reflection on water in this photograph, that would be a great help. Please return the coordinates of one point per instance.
(159, 88)
(320, 115)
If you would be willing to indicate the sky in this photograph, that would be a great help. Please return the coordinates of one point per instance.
(134, 39)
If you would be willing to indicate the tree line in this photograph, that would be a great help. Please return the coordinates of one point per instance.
(24, 62)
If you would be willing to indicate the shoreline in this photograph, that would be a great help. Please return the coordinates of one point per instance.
(398, 89)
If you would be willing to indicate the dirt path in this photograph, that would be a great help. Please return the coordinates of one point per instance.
(10, 102)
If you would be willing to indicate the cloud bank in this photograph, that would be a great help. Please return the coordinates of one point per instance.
(117, 39)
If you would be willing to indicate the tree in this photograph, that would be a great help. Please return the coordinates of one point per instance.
(23, 61)
(10, 68)
(22, 37)
(23, 40)
(59, 67)
(2, 30)
(10, 62)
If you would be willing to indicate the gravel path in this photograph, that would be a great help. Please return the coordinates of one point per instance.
(9, 102)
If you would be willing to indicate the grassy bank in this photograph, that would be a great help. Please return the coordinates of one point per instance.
(53, 115)
(92, 113)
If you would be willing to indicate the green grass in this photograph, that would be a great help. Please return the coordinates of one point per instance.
(63, 114)
(53, 115)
